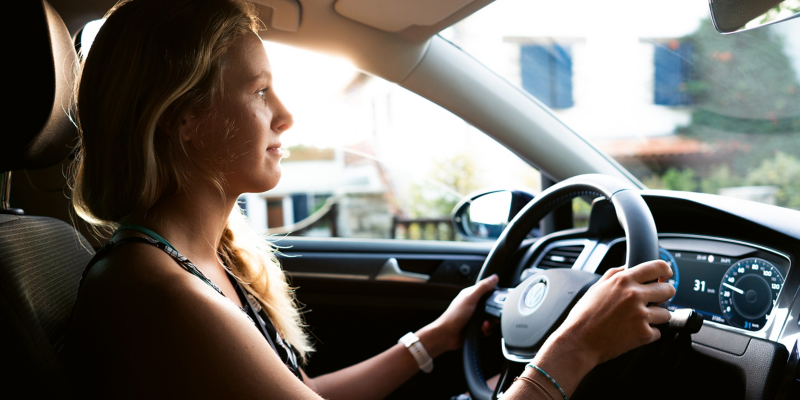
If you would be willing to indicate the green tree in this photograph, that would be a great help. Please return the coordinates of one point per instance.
(720, 177)
(742, 83)
(448, 181)
(783, 172)
(673, 179)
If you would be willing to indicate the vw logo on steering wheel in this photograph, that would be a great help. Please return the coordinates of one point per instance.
(534, 295)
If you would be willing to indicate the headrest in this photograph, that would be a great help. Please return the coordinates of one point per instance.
(38, 132)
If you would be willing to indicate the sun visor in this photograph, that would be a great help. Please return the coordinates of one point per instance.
(397, 15)
(285, 14)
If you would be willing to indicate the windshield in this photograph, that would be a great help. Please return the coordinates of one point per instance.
(653, 85)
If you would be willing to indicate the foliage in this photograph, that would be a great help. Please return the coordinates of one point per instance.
(674, 179)
(581, 210)
(783, 172)
(726, 96)
(720, 177)
(449, 180)
(746, 104)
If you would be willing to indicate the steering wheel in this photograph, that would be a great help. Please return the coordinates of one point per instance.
(536, 307)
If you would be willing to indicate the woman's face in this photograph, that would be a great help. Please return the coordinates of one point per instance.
(240, 135)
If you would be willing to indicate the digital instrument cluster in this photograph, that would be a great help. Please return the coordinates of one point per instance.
(739, 291)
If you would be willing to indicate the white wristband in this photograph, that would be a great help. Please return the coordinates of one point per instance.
(417, 350)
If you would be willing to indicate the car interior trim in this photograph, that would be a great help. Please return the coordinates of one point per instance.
(320, 275)
(513, 357)
(588, 246)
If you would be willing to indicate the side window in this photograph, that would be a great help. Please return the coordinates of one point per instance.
(369, 159)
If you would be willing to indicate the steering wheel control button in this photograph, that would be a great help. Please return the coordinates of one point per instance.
(534, 308)
(685, 320)
(495, 302)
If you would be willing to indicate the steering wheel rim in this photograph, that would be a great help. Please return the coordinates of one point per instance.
(632, 212)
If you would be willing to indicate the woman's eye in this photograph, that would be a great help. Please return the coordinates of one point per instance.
(263, 92)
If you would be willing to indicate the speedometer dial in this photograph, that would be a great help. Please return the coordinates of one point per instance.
(748, 291)
(673, 265)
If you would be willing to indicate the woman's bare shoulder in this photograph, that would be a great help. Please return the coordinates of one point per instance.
(131, 273)
(158, 331)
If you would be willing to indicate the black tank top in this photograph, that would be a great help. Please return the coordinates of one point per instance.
(252, 308)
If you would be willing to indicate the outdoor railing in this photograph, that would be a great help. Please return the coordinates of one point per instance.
(422, 228)
(402, 228)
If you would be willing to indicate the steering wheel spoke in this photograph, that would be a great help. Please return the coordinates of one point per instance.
(509, 371)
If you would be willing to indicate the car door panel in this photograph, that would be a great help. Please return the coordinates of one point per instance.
(353, 316)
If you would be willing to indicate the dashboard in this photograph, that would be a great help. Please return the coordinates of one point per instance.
(732, 284)
(733, 261)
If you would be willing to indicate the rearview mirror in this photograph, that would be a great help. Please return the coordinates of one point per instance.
(484, 215)
(740, 15)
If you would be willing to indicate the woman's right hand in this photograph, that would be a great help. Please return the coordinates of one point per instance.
(614, 317)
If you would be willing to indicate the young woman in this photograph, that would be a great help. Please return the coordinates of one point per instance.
(177, 119)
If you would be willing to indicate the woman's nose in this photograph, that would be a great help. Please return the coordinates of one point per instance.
(282, 120)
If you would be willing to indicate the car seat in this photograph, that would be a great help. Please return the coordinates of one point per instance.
(41, 258)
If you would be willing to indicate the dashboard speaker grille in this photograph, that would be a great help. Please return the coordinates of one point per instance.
(560, 257)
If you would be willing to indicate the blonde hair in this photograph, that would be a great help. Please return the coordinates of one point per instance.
(151, 62)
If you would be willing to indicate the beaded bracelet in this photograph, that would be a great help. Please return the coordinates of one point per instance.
(537, 385)
(549, 377)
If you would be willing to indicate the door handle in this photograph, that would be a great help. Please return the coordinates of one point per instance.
(390, 271)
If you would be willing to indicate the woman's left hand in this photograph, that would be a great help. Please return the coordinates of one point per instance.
(447, 332)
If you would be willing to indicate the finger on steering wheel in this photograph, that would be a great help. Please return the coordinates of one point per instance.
(658, 292)
(650, 271)
(657, 315)
(487, 327)
(611, 272)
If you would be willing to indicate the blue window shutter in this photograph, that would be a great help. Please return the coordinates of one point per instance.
(535, 71)
(672, 71)
(687, 54)
(562, 77)
(300, 206)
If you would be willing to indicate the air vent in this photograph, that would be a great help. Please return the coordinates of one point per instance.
(560, 257)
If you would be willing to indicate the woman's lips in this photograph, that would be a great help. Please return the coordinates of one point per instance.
(276, 151)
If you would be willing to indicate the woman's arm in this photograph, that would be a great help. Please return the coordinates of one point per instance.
(378, 376)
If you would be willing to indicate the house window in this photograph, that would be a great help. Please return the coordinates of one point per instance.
(673, 67)
(300, 206)
(547, 73)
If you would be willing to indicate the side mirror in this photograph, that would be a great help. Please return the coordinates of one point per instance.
(483, 215)
(740, 15)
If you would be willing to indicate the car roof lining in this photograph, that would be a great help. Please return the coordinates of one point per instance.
(396, 15)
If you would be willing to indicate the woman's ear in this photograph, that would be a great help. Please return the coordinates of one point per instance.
(184, 126)
(187, 126)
